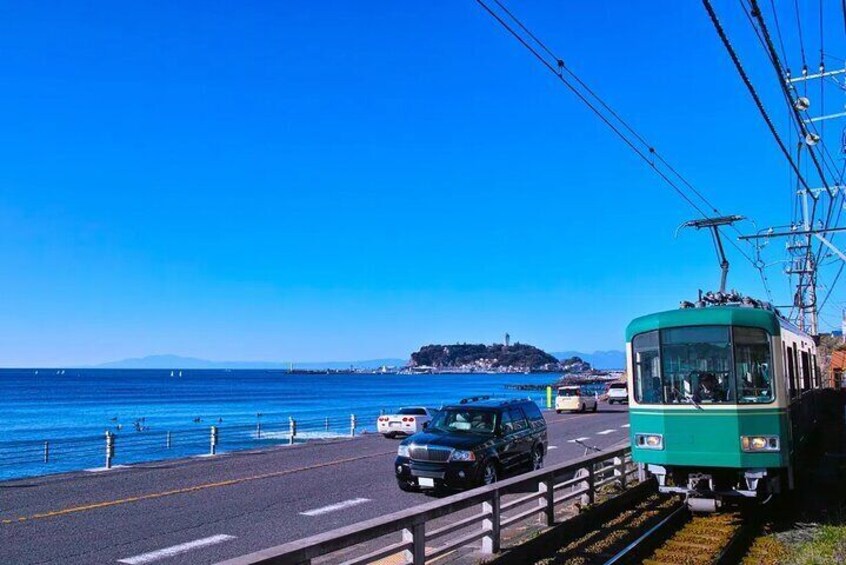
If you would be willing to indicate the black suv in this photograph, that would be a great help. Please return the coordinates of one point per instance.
(473, 443)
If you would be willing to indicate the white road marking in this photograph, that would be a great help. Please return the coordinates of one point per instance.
(605, 432)
(553, 447)
(578, 439)
(334, 507)
(175, 550)
(626, 426)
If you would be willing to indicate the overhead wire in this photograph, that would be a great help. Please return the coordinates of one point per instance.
(647, 153)
(801, 41)
(785, 87)
(778, 34)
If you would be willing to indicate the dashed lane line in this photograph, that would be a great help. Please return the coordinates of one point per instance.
(175, 550)
(626, 426)
(551, 447)
(578, 439)
(185, 490)
(605, 432)
(335, 507)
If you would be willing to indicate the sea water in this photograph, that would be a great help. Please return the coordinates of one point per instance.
(63, 416)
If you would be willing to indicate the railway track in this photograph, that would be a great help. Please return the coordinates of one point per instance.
(706, 539)
(603, 544)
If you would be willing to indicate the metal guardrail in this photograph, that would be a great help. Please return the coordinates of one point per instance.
(549, 488)
(142, 445)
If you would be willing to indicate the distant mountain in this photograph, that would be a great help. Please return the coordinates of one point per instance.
(611, 359)
(179, 362)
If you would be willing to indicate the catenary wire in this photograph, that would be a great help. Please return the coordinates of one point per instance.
(593, 107)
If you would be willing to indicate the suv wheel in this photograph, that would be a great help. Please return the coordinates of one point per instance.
(537, 458)
(489, 474)
(595, 406)
(583, 408)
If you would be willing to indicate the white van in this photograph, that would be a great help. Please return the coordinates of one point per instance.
(618, 392)
(572, 398)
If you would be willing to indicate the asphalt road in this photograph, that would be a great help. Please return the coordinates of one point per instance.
(205, 509)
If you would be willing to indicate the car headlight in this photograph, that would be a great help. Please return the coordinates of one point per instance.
(759, 443)
(649, 441)
(459, 455)
(402, 451)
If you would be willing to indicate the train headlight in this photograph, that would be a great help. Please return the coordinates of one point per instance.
(649, 441)
(402, 451)
(753, 444)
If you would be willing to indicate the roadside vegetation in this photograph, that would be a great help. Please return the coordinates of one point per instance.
(809, 544)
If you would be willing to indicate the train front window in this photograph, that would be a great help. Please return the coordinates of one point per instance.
(703, 365)
(696, 365)
(752, 366)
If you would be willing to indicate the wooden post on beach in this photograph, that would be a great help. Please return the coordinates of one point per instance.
(110, 449)
(258, 430)
(167, 440)
(46, 451)
(327, 424)
(352, 425)
(292, 424)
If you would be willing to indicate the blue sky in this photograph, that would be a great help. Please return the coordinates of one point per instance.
(346, 180)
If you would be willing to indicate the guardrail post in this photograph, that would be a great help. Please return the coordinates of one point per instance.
(547, 502)
(292, 430)
(110, 449)
(352, 425)
(213, 443)
(417, 536)
(585, 474)
(591, 483)
(46, 451)
(620, 471)
(490, 543)
(168, 441)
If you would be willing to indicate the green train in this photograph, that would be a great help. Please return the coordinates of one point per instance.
(721, 399)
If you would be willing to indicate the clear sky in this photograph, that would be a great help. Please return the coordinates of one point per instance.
(313, 180)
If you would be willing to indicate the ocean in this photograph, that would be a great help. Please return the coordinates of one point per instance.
(153, 415)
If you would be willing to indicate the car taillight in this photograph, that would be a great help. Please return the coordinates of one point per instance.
(411, 419)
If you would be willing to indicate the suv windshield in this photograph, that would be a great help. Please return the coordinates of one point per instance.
(465, 420)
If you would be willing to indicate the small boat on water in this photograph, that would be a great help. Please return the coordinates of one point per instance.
(171, 373)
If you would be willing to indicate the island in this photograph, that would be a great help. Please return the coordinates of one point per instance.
(496, 358)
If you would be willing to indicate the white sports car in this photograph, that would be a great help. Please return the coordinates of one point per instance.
(407, 421)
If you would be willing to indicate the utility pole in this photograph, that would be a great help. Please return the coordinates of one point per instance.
(803, 263)
(802, 233)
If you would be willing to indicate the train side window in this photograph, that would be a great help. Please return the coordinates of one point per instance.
(791, 371)
(806, 371)
(815, 371)
(647, 368)
(752, 366)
